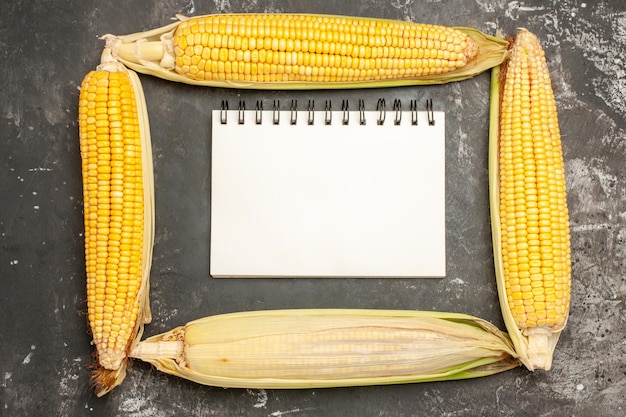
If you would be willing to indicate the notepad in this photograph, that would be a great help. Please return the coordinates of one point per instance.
(302, 193)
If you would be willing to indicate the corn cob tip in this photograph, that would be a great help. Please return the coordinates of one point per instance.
(471, 50)
(526, 42)
(104, 380)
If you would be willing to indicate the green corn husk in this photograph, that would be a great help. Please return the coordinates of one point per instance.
(152, 52)
(320, 348)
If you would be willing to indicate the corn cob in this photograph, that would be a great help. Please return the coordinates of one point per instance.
(296, 51)
(329, 348)
(118, 212)
(530, 219)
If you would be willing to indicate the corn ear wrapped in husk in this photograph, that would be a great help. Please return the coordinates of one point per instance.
(329, 348)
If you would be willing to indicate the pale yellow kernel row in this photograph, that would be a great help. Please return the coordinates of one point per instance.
(311, 27)
(235, 70)
(355, 45)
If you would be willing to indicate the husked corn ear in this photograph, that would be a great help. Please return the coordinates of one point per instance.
(117, 184)
(313, 48)
(529, 206)
(329, 348)
(307, 51)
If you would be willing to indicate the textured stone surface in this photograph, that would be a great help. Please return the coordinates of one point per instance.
(47, 47)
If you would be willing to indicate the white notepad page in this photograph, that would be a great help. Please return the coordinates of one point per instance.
(327, 200)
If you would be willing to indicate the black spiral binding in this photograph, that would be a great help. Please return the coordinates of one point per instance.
(223, 110)
(413, 108)
(430, 113)
(259, 112)
(311, 112)
(345, 113)
(242, 109)
(397, 108)
(380, 108)
(293, 119)
(276, 112)
(328, 112)
(361, 112)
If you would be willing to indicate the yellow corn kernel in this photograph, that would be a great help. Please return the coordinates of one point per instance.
(307, 51)
(329, 348)
(117, 181)
(533, 222)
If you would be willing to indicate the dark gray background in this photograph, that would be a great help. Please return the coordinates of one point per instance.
(47, 47)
